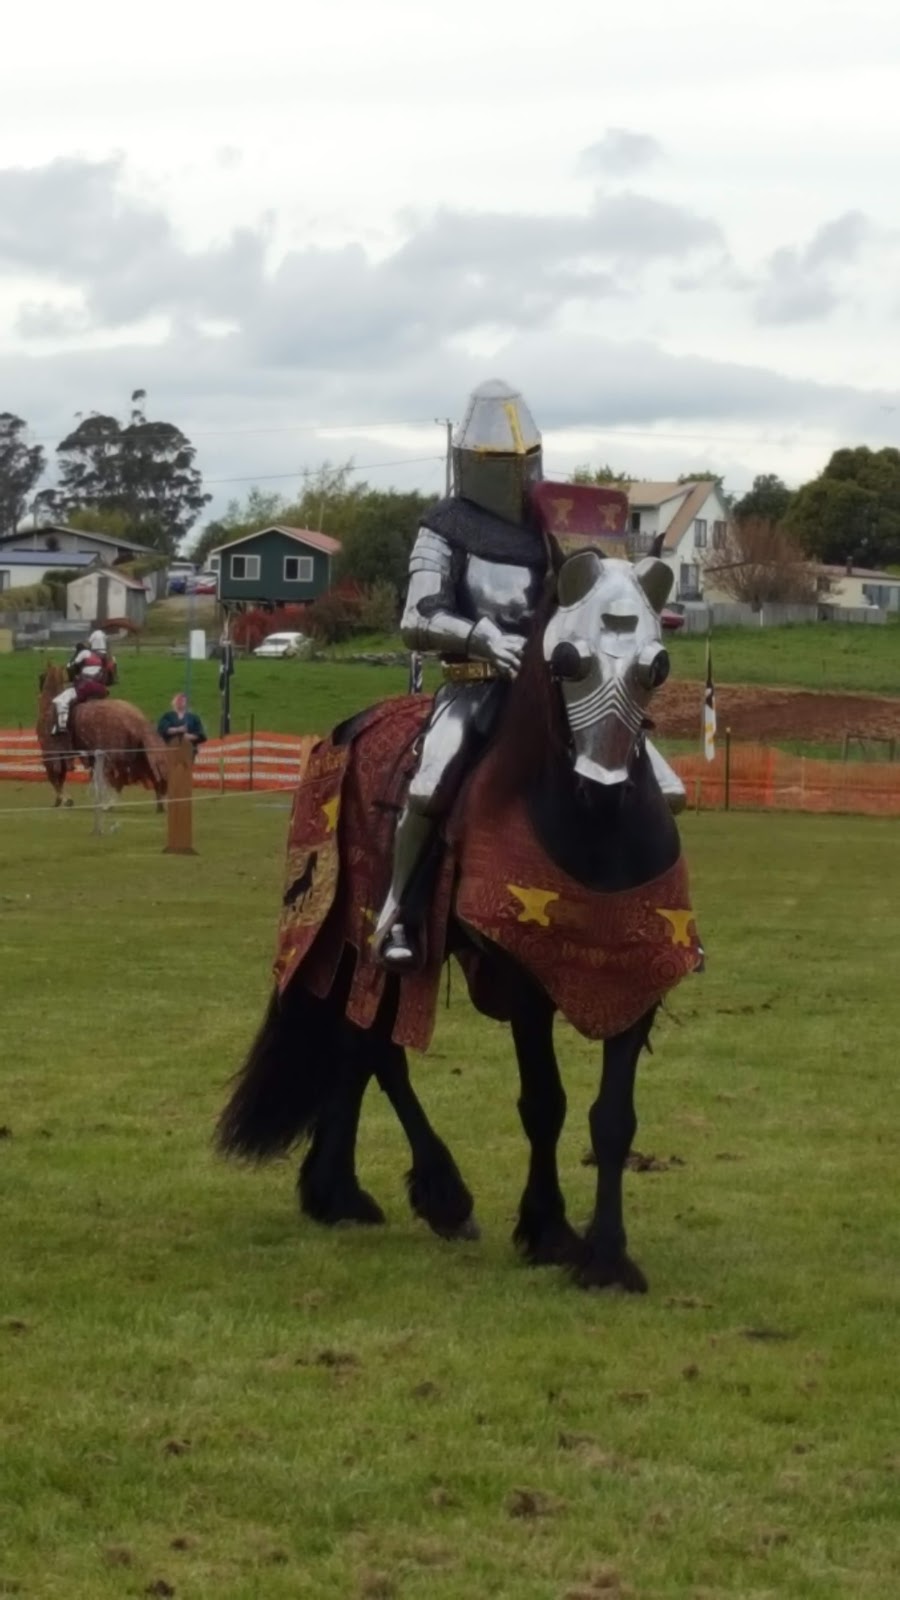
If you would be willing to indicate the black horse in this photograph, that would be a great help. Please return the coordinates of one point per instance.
(308, 1069)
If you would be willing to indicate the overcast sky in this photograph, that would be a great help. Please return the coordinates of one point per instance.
(308, 230)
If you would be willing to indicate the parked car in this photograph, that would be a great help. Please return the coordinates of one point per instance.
(202, 583)
(672, 616)
(281, 644)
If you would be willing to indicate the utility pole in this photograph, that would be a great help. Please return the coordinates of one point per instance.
(445, 422)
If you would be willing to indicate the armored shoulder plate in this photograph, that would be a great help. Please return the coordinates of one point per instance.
(470, 528)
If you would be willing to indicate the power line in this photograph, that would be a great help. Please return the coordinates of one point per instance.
(287, 427)
(298, 472)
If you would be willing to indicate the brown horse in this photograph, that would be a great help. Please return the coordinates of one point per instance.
(131, 748)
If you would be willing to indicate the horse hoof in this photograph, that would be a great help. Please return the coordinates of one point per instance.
(468, 1230)
(602, 1272)
(344, 1205)
(554, 1245)
(68, 803)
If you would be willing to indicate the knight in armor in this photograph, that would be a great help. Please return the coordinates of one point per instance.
(477, 569)
(87, 673)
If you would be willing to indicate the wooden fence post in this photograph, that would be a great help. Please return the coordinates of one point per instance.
(179, 800)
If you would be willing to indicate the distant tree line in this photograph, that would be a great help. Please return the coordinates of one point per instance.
(135, 478)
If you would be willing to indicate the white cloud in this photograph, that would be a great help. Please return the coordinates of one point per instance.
(340, 214)
(619, 154)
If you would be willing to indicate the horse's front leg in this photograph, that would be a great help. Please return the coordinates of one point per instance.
(604, 1259)
(542, 1233)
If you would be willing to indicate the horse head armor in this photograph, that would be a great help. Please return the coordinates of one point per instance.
(603, 645)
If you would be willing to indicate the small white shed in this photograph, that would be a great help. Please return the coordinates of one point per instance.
(101, 594)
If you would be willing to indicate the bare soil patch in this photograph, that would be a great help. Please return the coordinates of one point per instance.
(766, 714)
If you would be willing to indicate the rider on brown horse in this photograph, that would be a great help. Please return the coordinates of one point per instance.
(88, 672)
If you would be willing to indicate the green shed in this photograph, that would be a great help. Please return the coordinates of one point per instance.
(276, 566)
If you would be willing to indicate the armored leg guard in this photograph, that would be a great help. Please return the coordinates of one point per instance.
(668, 780)
(394, 945)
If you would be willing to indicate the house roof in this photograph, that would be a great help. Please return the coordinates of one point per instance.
(684, 516)
(643, 495)
(80, 533)
(306, 536)
(48, 558)
(109, 572)
(647, 496)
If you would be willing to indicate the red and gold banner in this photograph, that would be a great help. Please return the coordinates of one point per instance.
(579, 514)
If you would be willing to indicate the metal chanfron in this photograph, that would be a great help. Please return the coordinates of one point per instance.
(604, 641)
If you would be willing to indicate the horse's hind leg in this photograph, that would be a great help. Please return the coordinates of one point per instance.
(604, 1259)
(434, 1183)
(542, 1232)
(327, 1185)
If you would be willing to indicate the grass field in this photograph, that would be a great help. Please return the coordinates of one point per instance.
(307, 697)
(202, 1396)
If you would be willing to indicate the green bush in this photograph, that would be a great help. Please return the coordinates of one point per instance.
(331, 619)
(31, 597)
(56, 582)
(377, 612)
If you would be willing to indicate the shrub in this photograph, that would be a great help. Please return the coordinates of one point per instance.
(56, 581)
(31, 597)
(249, 628)
(331, 618)
(378, 608)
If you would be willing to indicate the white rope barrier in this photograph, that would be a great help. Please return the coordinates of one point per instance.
(261, 796)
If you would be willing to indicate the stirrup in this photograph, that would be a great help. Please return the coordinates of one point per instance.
(398, 952)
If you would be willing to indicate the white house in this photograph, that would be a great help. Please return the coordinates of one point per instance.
(860, 586)
(694, 518)
(100, 594)
(21, 568)
(33, 534)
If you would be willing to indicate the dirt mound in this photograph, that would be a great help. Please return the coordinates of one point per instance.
(766, 715)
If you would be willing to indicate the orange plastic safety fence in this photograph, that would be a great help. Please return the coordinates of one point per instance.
(764, 779)
(760, 777)
(269, 761)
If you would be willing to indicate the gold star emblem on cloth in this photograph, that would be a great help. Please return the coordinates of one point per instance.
(609, 516)
(331, 809)
(534, 903)
(679, 922)
(561, 509)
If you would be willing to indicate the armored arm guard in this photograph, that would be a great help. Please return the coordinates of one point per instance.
(430, 619)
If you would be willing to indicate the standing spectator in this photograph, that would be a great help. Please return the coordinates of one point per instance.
(182, 724)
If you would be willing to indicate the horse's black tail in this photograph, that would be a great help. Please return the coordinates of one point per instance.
(281, 1087)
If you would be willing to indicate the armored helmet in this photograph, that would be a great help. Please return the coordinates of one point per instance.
(497, 450)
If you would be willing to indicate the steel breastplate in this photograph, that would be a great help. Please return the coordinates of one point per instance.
(507, 594)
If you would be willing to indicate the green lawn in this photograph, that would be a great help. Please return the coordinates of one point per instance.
(283, 696)
(203, 1396)
(307, 697)
(827, 655)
